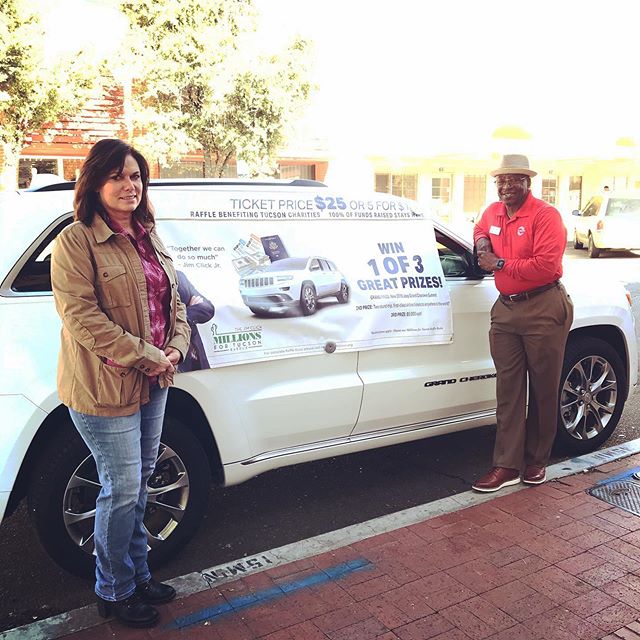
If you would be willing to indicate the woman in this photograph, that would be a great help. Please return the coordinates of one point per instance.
(124, 331)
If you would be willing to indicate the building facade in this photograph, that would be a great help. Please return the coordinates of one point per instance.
(453, 187)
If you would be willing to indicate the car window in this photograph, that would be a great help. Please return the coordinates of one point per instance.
(35, 275)
(623, 207)
(314, 265)
(326, 265)
(455, 259)
(593, 207)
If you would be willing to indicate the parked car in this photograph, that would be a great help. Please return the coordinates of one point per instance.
(608, 222)
(227, 424)
(293, 283)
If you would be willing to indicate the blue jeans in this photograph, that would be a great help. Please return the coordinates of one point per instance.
(125, 450)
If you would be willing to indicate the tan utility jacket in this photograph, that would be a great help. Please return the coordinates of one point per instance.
(101, 295)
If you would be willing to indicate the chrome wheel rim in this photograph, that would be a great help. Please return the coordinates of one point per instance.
(588, 397)
(166, 503)
(309, 298)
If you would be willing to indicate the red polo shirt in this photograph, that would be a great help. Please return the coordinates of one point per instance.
(532, 243)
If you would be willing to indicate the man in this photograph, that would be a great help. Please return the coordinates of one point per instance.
(522, 239)
(199, 310)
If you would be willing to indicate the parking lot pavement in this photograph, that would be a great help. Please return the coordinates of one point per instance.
(556, 561)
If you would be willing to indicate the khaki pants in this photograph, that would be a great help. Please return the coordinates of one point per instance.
(527, 339)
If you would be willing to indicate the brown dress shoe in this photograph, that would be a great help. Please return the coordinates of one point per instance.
(534, 474)
(497, 478)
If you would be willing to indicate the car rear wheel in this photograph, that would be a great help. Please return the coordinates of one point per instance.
(594, 252)
(592, 394)
(65, 486)
(308, 300)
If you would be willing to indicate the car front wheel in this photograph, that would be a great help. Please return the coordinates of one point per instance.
(594, 252)
(592, 394)
(308, 300)
(62, 497)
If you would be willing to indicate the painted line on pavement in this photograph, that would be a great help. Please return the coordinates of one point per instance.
(266, 595)
(73, 621)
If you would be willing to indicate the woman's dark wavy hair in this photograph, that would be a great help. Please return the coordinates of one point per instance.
(105, 157)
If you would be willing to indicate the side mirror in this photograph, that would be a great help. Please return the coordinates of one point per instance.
(576, 212)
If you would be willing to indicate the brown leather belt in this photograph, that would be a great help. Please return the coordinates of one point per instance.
(525, 295)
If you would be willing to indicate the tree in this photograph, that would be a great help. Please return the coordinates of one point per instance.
(33, 90)
(195, 87)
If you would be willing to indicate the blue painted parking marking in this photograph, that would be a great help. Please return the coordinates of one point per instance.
(243, 602)
(621, 476)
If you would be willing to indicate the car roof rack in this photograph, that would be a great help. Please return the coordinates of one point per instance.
(186, 182)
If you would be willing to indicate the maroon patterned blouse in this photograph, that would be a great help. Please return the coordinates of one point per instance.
(158, 289)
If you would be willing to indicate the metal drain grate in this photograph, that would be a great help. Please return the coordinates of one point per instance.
(622, 492)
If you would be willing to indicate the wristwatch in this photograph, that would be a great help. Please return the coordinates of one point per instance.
(499, 264)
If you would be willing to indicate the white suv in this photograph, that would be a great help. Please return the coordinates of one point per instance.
(229, 423)
(293, 283)
(608, 222)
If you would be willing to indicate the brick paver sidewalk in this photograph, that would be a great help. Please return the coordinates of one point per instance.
(548, 562)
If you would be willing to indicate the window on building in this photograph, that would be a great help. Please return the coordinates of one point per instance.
(441, 189)
(293, 171)
(549, 189)
(399, 184)
(575, 193)
(475, 193)
(27, 166)
(620, 183)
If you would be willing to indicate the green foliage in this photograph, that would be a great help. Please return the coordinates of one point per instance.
(33, 90)
(195, 86)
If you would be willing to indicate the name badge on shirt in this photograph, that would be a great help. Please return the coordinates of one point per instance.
(494, 230)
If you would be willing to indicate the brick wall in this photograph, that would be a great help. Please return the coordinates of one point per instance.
(101, 117)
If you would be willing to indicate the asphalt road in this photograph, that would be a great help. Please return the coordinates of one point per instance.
(297, 502)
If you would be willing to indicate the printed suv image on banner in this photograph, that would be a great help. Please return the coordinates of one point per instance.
(280, 276)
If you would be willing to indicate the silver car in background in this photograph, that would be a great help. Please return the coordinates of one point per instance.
(609, 221)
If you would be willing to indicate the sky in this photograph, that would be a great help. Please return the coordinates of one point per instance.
(424, 77)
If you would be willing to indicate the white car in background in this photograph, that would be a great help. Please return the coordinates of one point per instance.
(225, 425)
(607, 222)
(293, 283)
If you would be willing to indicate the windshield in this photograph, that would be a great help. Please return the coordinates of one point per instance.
(288, 264)
(620, 207)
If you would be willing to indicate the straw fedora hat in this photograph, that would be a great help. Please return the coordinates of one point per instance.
(514, 163)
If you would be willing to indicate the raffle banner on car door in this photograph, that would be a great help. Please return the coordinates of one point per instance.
(301, 274)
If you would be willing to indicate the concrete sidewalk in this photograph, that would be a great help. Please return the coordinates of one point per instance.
(528, 563)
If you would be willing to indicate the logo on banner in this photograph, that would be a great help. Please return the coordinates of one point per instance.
(239, 340)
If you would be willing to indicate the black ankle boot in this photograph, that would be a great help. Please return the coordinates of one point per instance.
(131, 612)
(154, 592)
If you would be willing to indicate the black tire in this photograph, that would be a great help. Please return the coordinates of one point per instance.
(65, 483)
(343, 294)
(308, 299)
(576, 243)
(594, 252)
(592, 395)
